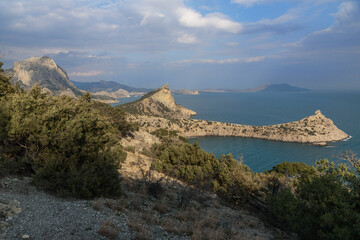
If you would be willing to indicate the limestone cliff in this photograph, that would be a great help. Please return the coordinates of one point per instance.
(158, 103)
(46, 73)
(315, 129)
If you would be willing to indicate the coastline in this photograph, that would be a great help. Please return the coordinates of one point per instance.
(316, 129)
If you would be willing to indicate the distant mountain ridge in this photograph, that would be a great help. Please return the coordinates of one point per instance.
(283, 87)
(108, 86)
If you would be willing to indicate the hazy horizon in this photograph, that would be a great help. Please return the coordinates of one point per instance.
(234, 44)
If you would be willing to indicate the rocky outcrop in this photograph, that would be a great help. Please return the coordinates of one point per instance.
(46, 73)
(158, 103)
(315, 129)
(8, 210)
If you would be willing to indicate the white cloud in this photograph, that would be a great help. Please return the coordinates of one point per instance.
(219, 61)
(232, 44)
(191, 18)
(345, 28)
(187, 39)
(250, 3)
(86, 74)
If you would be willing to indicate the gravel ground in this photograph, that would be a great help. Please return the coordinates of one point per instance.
(32, 214)
(46, 217)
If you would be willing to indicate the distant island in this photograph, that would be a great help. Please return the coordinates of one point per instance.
(265, 88)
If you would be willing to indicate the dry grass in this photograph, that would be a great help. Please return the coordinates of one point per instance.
(120, 205)
(162, 206)
(109, 203)
(173, 225)
(137, 226)
(135, 203)
(208, 228)
(190, 214)
(109, 229)
(149, 217)
(97, 205)
(144, 234)
(135, 223)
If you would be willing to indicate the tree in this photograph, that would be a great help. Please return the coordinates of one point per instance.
(324, 205)
(5, 85)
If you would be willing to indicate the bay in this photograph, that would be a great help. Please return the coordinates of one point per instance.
(274, 108)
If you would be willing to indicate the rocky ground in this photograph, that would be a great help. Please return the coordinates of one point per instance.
(152, 206)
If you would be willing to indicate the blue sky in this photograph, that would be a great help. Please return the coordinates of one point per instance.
(190, 44)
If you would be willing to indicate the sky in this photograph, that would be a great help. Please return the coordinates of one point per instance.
(234, 44)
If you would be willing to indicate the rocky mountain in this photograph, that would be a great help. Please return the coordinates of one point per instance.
(46, 73)
(160, 103)
(108, 86)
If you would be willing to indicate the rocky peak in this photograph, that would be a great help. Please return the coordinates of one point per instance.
(165, 86)
(46, 73)
(159, 102)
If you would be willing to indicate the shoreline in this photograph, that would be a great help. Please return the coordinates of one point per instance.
(315, 130)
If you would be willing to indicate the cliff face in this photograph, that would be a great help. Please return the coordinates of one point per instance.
(315, 129)
(158, 103)
(46, 73)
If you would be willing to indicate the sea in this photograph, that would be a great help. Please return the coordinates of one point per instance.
(274, 108)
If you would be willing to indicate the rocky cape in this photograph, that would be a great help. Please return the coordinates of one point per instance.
(159, 110)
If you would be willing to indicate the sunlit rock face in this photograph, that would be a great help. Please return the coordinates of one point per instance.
(44, 72)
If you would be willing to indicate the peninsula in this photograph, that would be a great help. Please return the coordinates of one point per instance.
(158, 109)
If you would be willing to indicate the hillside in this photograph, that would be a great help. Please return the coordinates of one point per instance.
(158, 103)
(140, 185)
(108, 86)
(46, 73)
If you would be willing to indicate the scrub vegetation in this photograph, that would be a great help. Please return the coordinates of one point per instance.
(70, 147)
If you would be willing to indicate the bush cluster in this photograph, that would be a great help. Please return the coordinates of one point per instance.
(322, 203)
(69, 145)
(223, 175)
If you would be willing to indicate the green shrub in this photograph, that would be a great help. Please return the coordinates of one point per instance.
(225, 175)
(293, 169)
(324, 205)
(69, 145)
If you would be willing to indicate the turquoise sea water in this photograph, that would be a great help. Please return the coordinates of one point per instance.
(273, 108)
